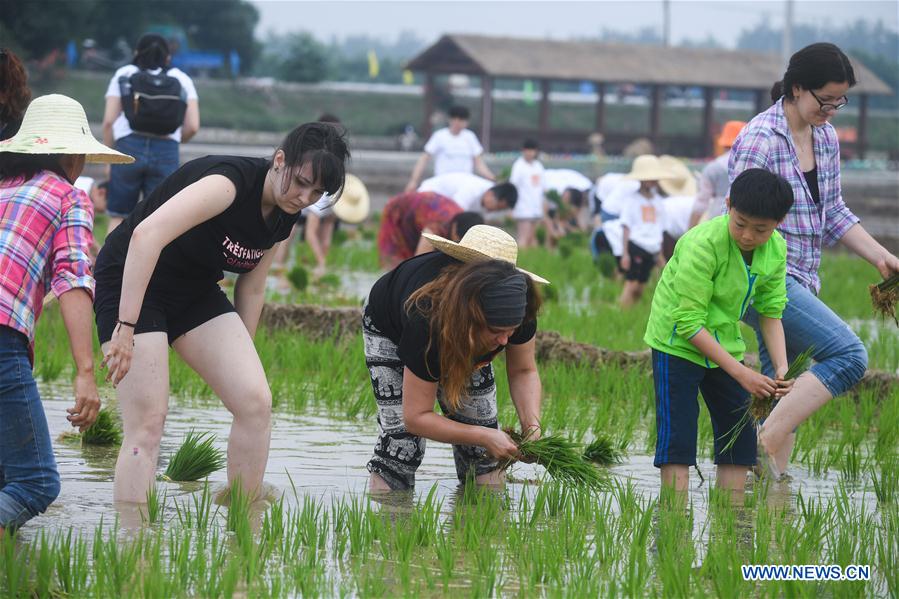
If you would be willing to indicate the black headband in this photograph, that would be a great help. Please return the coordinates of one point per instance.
(505, 301)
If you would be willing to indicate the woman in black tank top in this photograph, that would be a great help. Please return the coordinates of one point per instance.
(157, 286)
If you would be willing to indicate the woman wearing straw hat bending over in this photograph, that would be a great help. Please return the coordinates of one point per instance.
(430, 328)
(157, 286)
(794, 139)
(45, 239)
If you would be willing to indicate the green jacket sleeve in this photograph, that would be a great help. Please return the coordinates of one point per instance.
(770, 297)
(692, 287)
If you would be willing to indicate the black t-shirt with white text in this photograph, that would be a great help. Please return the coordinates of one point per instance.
(411, 331)
(232, 241)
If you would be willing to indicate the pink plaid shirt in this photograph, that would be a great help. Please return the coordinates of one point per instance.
(45, 236)
(766, 143)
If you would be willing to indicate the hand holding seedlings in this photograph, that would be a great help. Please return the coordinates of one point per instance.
(500, 445)
(756, 383)
(884, 297)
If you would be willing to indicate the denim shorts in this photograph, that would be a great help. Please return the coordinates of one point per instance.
(29, 481)
(677, 383)
(840, 358)
(155, 158)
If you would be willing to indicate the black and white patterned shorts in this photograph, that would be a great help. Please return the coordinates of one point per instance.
(398, 453)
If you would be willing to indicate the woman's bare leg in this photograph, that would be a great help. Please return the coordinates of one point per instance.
(143, 397)
(222, 353)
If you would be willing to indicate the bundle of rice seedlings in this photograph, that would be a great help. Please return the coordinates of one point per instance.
(604, 451)
(195, 459)
(884, 297)
(562, 459)
(104, 431)
(298, 277)
(760, 407)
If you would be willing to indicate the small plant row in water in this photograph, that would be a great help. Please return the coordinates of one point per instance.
(554, 541)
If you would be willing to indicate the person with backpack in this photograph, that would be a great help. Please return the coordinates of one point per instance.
(150, 109)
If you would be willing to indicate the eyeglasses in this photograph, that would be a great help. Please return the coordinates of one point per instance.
(827, 106)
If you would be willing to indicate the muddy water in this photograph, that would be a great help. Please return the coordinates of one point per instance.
(325, 457)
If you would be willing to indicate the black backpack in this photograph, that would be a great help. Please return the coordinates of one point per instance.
(153, 103)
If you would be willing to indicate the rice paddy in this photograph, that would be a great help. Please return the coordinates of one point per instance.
(319, 533)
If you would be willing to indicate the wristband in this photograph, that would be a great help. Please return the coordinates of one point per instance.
(127, 324)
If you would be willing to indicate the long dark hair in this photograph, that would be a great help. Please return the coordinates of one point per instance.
(14, 93)
(813, 67)
(26, 166)
(321, 145)
(151, 52)
(452, 305)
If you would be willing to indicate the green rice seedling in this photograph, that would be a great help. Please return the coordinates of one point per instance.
(885, 479)
(197, 458)
(71, 563)
(154, 510)
(888, 550)
(884, 297)
(562, 460)
(44, 565)
(604, 451)
(760, 407)
(298, 277)
(238, 519)
(852, 463)
(329, 280)
(105, 430)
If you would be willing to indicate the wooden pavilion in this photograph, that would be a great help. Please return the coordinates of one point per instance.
(607, 64)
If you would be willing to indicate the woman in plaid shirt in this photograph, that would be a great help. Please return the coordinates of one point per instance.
(795, 140)
(45, 238)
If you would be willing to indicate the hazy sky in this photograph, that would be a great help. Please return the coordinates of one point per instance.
(690, 19)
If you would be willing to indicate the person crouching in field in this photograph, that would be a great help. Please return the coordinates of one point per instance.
(407, 216)
(718, 269)
(45, 238)
(157, 286)
(431, 328)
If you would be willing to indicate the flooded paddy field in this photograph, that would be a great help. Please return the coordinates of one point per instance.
(318, 532)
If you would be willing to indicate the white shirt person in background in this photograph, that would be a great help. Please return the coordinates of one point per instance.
(473, 193)
(527, 177)
(455, 149)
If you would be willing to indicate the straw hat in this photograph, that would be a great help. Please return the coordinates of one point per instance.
(56, 124)
(648, 168)
(681, 181)
(729, 133)
(353, 204)
(482, 242)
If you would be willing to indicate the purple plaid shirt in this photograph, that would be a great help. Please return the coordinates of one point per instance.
(766, 143)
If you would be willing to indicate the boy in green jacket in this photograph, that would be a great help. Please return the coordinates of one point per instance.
(717, 269)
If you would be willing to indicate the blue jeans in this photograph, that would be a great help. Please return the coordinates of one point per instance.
(154, 159)
(29, 481)
(841, 359)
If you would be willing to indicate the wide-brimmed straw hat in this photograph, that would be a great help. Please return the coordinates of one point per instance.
(729, 133)
(353, 205)
(648, 168)
(56, 124)
(682, 181)
(482, 242)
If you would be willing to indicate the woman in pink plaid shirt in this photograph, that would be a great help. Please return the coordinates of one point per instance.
(794, 139)
(45, 237)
